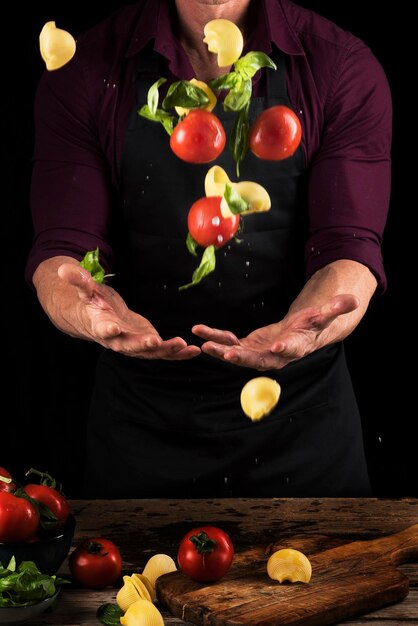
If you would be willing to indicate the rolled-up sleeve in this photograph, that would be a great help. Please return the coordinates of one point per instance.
(349, 177)
(70, 190)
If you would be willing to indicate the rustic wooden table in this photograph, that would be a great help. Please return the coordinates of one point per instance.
(142, 528)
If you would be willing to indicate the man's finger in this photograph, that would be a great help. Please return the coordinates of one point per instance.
(224, 337)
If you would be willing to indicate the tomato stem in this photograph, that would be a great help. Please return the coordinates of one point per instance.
(203, 543)
(45, 478)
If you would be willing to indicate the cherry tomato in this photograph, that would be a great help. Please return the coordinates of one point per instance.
(19, 518)
(199, 137)
(96, 563)
(275, 134)
(208, 226)
(6, 486)
(52, 498)
(205, 554)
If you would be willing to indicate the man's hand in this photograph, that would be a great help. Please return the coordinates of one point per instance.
(272, 347)
(82, 308)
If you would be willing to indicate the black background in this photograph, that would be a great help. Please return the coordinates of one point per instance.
(47, 376)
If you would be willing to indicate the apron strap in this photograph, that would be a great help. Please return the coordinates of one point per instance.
(147, 71)
(276, 84)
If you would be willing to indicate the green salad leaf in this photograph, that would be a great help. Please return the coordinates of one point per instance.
(25, 585)
(109, 614)
(91, 263)
(205, 267)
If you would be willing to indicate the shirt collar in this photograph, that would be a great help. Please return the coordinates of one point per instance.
(154, 24)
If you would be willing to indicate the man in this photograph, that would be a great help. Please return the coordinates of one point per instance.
(165, 413)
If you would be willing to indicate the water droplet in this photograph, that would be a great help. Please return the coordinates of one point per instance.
(318, 252)
(354, 234)
(224, 253)
(287, 480)
(245, 275)
(300, 111)
(312, 249)
(379, 439)
(147, 177)
(247, 263)
(219, 284)
(164, 287)
(142, 191)
(290, 420)
(229, 246)
(262, 303)
(216, 220)
(226, 480)
(256, 461)
(220, 238)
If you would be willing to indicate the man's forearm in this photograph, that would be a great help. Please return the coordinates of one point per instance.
(340, 277)
(55, 295)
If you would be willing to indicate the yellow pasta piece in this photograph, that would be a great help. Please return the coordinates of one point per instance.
(57, 46)
(142, 613)
(208, 91)
(291, 565)
(225, 39)
(255, 194)
(158, 565)
(128, 594)
(259, 396)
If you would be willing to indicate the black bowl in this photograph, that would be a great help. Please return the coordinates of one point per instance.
(21, 614)
(48, 552)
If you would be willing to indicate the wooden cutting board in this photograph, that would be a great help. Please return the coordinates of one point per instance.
(347, 580)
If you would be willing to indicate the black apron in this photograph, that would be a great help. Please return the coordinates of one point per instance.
(176, 429)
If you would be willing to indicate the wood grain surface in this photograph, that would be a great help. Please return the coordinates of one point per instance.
(142, 528)
(347, 580)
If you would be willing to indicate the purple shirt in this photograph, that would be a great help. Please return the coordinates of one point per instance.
(335, 84)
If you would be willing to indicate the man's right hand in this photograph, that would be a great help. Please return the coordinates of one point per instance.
(82, 308)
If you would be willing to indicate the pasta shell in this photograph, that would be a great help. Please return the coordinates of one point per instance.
(259, 396)
(158, 565)
(208, 91)
(255, 194)
(289, 564)
(144, 587)
(128, 594)
(57, 46)
(215, 181)
(142, 613)
(225, 39)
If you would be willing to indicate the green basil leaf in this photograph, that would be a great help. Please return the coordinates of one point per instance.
(235, 201)
(184, 94)
(109, 614)
(226, 81)
(90, 262)
(239, 97)
(249, 64)
(238, 141)
(206, 266)
(160, 116)
(191, 244)
(26, 585)
(154, 96)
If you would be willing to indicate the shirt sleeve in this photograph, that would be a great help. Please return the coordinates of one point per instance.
(349, 178)
(70, 188)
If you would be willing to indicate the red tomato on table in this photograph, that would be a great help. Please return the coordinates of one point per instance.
(276, 134)
(208, 226)
(199, 137)
(96, 563)
(19, 519)
(205, 554)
